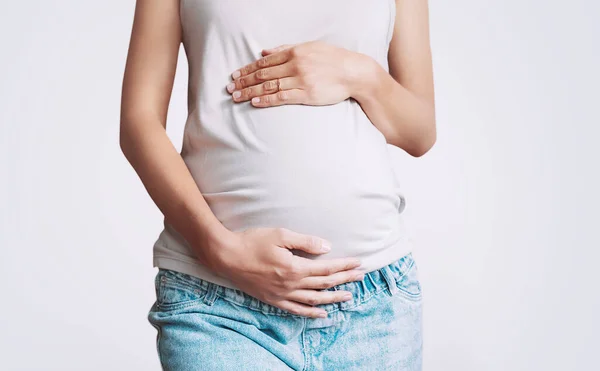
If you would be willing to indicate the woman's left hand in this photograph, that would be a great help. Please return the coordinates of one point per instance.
(312, 73)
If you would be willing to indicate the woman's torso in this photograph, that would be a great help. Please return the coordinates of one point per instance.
(323, 171)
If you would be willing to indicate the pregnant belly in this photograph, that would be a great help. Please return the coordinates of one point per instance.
(323, 171)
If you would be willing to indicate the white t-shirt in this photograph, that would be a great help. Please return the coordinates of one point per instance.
(318, 170)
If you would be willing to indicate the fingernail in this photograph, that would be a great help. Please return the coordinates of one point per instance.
(236, 74)
(237, 94)
(255, 100)
(231, 87)
(325, 245)
(347, 296)
(359, 277)
(323, 314)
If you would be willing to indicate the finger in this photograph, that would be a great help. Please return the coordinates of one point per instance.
(294, 240)
(293, 96)
(326, 267)
(277, 49)
(326, 282)
(302, 309)
(265, 88)
(312, 297)
(262, 75)
(270, 60)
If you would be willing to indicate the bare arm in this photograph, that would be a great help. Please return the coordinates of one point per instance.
(257, 260)
(147, 86)
(401, 104)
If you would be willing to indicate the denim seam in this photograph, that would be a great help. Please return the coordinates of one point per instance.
(304, 348)
(256, 309)
(179, 306)
(366, 298)
(199, 293)
(182, 286)
(409, 295)
(210, 296)
(158, 336)
(406, 271)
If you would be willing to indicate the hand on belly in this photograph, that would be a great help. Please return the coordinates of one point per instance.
(260, 262)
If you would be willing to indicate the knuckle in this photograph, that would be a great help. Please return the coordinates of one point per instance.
(352, 264)
(312, 300)
(279, 272)
(282, 96)
(263, 62)
(288, 309)
(281, 233)
(293, 271)
(296, 69)
(312, 93)
(262, 74)
(329, 270)
(309, 82)
(328, 283)
(242, 82)
(302, 69)
(247, 92)
(304, 80)
(287, 284)
(269, 85)
(294, 310)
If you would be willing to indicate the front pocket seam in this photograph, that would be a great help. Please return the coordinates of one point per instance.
(164, 285)
(178, 306)
(401, 289)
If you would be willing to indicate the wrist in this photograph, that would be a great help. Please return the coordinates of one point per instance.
(217, 243)
(361, 75)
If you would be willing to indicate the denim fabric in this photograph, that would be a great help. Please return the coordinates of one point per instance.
(205, 326)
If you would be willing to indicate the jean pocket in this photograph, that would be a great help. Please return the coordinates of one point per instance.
(408, 283)
(175, 291)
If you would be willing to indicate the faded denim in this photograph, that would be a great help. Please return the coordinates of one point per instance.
(205, 326)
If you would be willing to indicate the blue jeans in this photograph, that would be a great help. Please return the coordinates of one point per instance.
(205, 326)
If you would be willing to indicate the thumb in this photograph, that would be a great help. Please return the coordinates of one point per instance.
(310, 244)
(266, 52)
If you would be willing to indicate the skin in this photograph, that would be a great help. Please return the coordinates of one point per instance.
(260, 260)
(399, 103)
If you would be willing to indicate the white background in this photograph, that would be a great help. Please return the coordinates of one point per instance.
(504, 208)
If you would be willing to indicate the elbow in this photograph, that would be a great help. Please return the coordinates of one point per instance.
(124, 138)
(423, 144)
(417, 141)
(129, 129)
(418, 136)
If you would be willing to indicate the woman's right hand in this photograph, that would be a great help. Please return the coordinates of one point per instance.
(260, 263)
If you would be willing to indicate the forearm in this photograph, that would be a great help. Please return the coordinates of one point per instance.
(405, 119)
(169, 183)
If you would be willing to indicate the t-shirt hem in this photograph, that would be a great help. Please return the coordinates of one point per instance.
(194, 268)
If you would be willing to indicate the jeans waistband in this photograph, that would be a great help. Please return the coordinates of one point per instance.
(386, 278)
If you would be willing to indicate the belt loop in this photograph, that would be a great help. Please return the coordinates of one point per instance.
(211, 293)
(388, 275)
